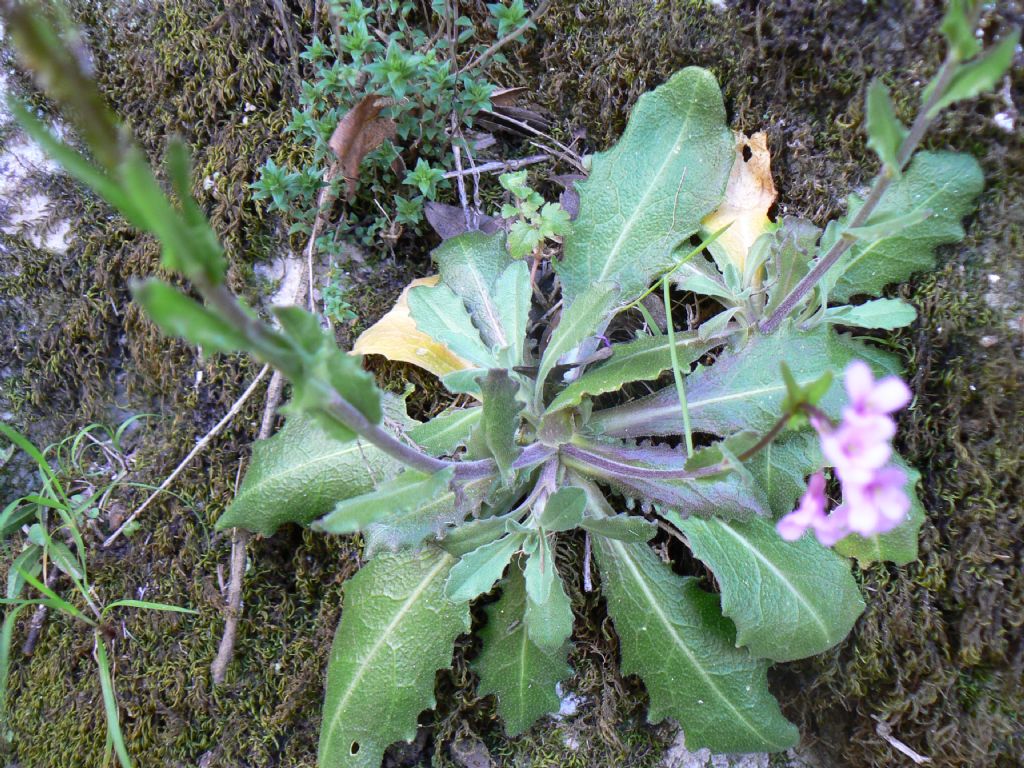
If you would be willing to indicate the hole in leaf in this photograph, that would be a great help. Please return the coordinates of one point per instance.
(354, 749)
(773, 212)
(747, 153)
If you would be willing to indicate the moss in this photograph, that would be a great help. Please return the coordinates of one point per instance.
(937, 653)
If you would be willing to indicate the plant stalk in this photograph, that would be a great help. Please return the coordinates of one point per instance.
(917, 131)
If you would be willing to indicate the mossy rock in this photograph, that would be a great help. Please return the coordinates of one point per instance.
(937, 655)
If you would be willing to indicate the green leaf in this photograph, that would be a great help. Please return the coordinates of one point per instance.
(300, 473)
(944, 183)
(444, 434)
(470, 265)
(500, 420)
(411, 490)
(548, 610)
(651, 190)
(578, 322)
(958, 30)
(397, 629)
(513, 296)
(781, 468)
(744, 390)
(521, 674)
(206, 248)
(885, 132)
(673, 635)
(177, 315)
(476, 572)
(110, 703)
(979, 75)
(886, 314)
(789, 600)
(563, 510)
(629, 528)
(439, 312)
(641, 360)
(791, 248)
(899, 545)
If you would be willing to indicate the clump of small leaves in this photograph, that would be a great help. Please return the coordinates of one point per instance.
(532, 219)
(745, 403)
(424, 79)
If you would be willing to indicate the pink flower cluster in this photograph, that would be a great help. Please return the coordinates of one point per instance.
(874, 491)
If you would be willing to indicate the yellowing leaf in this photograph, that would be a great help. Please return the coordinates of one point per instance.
(396, 337)
(748, 196)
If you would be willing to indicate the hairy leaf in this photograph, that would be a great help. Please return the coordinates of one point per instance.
(944, 183)
(301, 472)
(548, 610)
(629, 528)
(500, 420)
(789, 600)
(470, 265)
(396, 337)
(178, 315)
(439, 312)
(410, 491)
(511, 666)
(476, 571)
(641, 360)
(578, 322)
(445, 433)
(563, 510)
(513, 295)
(744, 390)
(651, 190)
(899, 545)
(397, 629)
(781, 468)
(673, 635)
(885, 132)
(980, 75)
(790, 250)
(886, 314)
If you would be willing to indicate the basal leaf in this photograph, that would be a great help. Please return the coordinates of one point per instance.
(563, 510)
(513, 295)
(410, 491)
(782, 467)
(944, 183)
(396, 337)
(789, 600)
(579, 321)
(476, 572)
(641, 360)
(445, 433)
(651, 190)
(629, 528)
(470, 265)
(548, 610)
(791, 249)
(520, 674)
(397, 629)
(744, 390)
(500, 420)
(300, 473)
(899, 545)
(673, 635)
(440, 313)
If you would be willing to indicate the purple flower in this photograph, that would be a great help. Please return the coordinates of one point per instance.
(810, 511)
(874, 492)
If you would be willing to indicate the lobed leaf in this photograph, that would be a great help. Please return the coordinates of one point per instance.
(522, 675)
(548, 610)
(445, 433)
(470, 265)
(476, 571)
(439, 312)
(500, 420)
(789, 600)
(397, 629)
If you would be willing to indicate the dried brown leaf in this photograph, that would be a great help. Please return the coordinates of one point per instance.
(358, 133)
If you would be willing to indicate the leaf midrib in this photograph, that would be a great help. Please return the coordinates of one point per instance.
(657, 610)
(375, 648)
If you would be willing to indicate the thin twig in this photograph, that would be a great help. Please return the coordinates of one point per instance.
(235, 408)
(498, 165)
